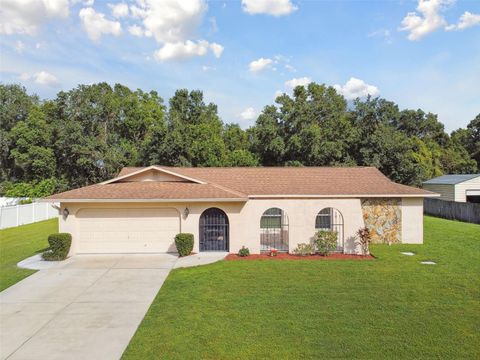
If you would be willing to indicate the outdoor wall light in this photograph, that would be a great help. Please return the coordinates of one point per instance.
(186, 212)
(65, 213)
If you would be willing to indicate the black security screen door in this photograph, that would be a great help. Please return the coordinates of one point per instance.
(214, 230)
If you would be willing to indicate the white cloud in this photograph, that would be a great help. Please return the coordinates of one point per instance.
(184, 50)
(19, 46)
(25, 16)
(429, 19)
(290, 68)
(119, 10)
(56, 8)
(260, 65)
(207, 68)
(466, 20)
(248, 114)
(217, 49)
(170, 21)
(42, 78)
(356, 88)
(293, 83)
(96, 25)
(270, 7)
(135, 30)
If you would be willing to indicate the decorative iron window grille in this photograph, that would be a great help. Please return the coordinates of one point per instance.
(274, 230)
(330, 219)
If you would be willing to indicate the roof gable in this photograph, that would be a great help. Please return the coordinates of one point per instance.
(152, 173)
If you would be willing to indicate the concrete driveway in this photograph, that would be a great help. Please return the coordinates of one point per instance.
(88, 307)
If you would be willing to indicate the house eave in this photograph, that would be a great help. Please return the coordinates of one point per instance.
(144, 200)
(349, 196)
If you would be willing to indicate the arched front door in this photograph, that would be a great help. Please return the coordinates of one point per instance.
(214, 230)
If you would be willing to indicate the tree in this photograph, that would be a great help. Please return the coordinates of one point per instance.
(100, 129)
(87, 134)
(15, 105)
(469, 138)
(424, 126)
(240, 158)
(268, 142)
(194, 135)
(235, 138)
(32, 153)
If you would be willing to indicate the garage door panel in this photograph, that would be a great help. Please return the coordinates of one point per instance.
(127, 230)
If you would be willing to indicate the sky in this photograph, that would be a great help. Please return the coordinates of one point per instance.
(242, 54)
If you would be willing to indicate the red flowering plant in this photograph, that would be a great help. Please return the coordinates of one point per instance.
(273, 252)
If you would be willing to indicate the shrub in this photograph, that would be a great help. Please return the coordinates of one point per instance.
(34, 189)
(59, 247)
(325, 241)
(304, 249)
(243, 251)
(184, 243)
(364, 237)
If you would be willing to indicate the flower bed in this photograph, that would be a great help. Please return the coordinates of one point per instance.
(286, 256)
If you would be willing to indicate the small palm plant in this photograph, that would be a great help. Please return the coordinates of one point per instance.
(364, 238)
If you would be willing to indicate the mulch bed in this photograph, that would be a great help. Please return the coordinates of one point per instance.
(286, 256)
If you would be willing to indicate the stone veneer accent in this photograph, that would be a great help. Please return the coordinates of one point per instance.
(383, 217)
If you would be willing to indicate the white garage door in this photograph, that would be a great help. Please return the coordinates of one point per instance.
(127, 230)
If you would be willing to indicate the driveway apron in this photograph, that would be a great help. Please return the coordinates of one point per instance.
(88, 307)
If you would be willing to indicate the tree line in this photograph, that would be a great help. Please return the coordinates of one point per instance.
(87, 134)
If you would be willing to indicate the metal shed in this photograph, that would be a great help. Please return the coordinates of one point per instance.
(460, 188)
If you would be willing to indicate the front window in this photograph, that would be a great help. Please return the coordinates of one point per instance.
(330, 219)
(274, 230)
(272, 218)
(324, 219)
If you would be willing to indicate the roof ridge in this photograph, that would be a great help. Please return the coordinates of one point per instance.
(265, 167)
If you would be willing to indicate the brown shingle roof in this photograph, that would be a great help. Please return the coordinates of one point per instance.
(240, 183)
(148, 190)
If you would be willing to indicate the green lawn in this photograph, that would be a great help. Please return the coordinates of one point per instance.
(389, 308)
(17, 244)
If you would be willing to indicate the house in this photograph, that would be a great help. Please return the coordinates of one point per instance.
(142, 209)
(460, 188)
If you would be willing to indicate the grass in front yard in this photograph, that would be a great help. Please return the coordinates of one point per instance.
(19, 243)
(389, 308)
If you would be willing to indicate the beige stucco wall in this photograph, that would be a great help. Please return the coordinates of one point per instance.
(412, 220)
(244, 219)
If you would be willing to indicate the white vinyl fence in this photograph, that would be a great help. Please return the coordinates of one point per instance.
(10, 201)
(11, 216)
